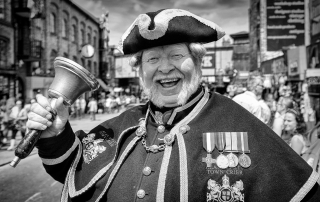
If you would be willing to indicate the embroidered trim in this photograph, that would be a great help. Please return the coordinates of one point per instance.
(64, 194)
(183, 168)
(179, 109)
(72, 189)
(306, 187)
(167, 154)
(119, 163)
(60, 159)
(161, 22)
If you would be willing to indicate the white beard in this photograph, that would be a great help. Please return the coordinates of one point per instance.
(188, 88)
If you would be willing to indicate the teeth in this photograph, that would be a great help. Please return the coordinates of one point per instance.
(168, 80)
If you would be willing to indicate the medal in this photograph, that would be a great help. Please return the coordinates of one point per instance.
(222, 160)
(233, 159)
(244, 159)
(208, 144)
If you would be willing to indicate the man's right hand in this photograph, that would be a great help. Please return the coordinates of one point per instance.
(39, 116)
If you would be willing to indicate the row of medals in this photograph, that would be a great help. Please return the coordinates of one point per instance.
(231, 161)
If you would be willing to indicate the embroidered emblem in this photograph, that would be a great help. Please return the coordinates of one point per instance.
(91, 148)
(225, 193)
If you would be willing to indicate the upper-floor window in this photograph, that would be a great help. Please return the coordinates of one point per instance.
(38, 22)
(83, 37)
(2, 10)
(4, 46)
(89, 66)
(53, 24)
(94, 41)
(73, 33)
(89, 38)
(64, 28)
(74, 58)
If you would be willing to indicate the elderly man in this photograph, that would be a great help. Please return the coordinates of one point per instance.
(185, 144)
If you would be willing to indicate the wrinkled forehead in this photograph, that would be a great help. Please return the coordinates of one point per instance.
(166, 49)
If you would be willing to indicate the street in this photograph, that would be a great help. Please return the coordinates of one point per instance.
(29, 182)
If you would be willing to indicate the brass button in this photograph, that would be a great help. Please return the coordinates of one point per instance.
(161, 129)
(146, 171)
(141, 193)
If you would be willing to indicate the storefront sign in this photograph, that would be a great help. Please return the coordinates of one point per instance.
(273, 66)
(285, 24)
(208, 65)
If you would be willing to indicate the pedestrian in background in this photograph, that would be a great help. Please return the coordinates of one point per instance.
(83, 105)
(93, 108)
(13, 123)
(249, 98)
(294, 130)
(283, 105)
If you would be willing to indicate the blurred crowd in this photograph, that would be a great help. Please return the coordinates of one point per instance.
(288, 110)
(13, 118)
(13, 113)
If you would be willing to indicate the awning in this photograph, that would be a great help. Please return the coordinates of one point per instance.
(103, 85)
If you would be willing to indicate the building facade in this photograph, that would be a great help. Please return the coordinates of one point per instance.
(11, 84)
(40, 31)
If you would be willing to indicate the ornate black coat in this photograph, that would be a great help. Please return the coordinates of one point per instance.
(110, 163)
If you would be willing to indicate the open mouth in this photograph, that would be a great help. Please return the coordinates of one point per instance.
(167, 83)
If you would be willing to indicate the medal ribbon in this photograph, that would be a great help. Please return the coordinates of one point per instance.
(208, 141)
(244, 142)
(228, 141)
(220, 141)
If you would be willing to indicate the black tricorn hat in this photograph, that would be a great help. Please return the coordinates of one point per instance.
(166, 27)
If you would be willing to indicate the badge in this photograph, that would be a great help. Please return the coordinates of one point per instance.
(91, 148)
(225, 193)
(244, 160)
(222, 160)
(208, 140)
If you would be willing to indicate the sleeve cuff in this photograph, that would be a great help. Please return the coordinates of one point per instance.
(56, 146)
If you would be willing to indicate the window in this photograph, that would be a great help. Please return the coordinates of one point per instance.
(74, 58)
(83, 62)
(66, 55)
(64, 28)
(83, 38)
(38, 23)
(89, 66)
(2, 10)
(95, 70)
(94, 41)
(3, 53)
(73, 34)
(89, 38)
(53, 24)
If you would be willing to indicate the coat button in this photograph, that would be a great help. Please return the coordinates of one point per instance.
(141, 193)
(161, 129)
(146, 171)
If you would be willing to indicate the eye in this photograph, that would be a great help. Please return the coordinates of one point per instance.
(153, 60)
(177, 56)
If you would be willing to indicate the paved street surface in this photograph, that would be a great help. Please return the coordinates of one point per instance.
(29, 182)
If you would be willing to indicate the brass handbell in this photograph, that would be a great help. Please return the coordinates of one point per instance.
(71, 80)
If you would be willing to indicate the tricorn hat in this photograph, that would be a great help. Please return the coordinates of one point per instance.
(166, 27)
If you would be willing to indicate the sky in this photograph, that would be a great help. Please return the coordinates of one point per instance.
(230, 15)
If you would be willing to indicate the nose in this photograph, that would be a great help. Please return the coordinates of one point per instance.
(165, 65)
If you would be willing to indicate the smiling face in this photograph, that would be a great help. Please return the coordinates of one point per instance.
(290, 122)
(169, 75)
